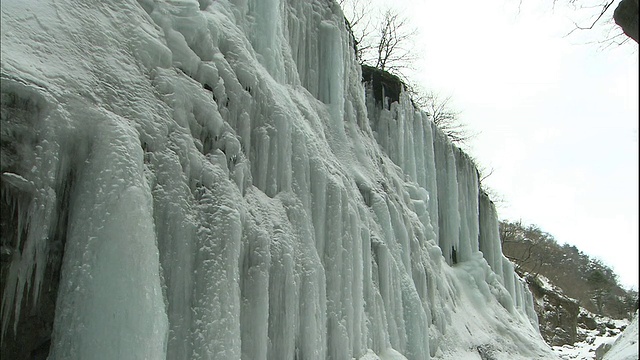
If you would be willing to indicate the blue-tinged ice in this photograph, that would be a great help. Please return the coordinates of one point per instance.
(228, 189)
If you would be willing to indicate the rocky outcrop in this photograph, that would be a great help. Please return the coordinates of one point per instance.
(626, 16)
(587, 321)
(384, 84)
(557, 313)
(29, 330)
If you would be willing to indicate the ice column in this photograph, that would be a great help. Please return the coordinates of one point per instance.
(110, 299)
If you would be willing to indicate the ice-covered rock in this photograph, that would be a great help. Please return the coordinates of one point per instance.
(212, 182)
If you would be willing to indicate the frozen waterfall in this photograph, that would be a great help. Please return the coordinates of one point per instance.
(211, 179)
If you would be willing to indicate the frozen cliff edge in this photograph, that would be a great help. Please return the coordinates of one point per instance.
(211, 182)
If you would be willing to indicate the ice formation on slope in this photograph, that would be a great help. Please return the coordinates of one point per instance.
(224, 189)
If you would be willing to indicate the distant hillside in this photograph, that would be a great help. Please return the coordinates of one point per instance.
(593, 284)
(573, 332)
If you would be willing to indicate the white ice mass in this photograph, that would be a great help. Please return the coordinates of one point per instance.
(224, 187)
(626, 345)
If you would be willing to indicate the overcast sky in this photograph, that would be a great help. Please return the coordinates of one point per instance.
(556, 117)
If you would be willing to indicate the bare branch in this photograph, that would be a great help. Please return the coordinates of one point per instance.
(394, 37)
(361, 26)
(605, 7)
(625, 16)
(446, 119)
(484, 177)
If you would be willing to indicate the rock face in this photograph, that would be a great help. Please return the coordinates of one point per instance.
(569, 328)
(33, 327)
(587, 321)
(626, 16)
(384, 86)
(557, 313)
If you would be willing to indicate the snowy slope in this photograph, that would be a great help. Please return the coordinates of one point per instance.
(626, 345)
(593, 342)
(227, 191)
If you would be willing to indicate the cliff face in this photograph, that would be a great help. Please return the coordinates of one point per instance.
(211, 181)
(557, 313)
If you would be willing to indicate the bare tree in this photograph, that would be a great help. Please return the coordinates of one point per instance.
(484, 173)
(625, 16)
(388, 46)
(442, 113)
(394, 40)
(616, 29)
(385, 41)
(602, 9)
(361, 26)
(447, 119)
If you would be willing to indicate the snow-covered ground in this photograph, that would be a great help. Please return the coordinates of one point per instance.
(608, 331)
(626, 345)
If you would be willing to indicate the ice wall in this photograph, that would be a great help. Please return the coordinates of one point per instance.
(223, 189)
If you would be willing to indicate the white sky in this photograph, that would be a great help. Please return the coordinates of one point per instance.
(557, 118)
